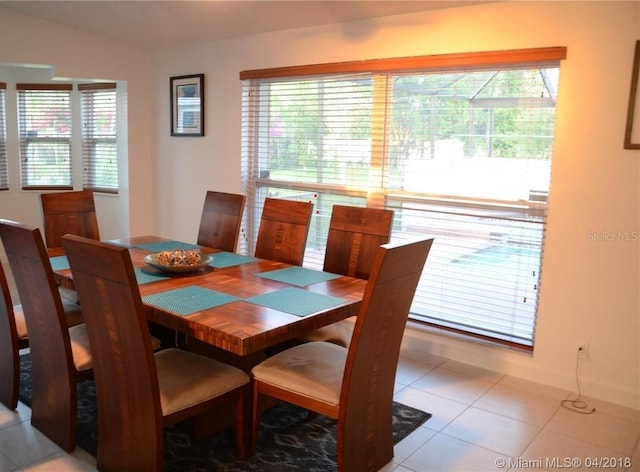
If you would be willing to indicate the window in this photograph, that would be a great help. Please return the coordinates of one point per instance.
(4, 170)
(99, 143)
(459, 146)
(44, 122)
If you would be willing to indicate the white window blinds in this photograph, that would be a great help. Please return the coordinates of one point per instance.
(4, 169)
(99, 139)
(44, 122)
(459, 147)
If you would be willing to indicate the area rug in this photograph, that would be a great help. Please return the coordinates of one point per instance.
(288, 441)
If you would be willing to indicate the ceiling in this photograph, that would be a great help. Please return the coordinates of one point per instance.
(169, 23)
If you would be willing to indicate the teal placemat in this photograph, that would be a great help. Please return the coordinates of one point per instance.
(187, 300)
(296, 301)
(143, 277)
(115, 242)
(228, 259)
(59, 263)
(298, 276)
(167, 246)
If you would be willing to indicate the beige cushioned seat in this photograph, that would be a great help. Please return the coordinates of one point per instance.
(72, 310)
(338, 333)
(80, 347)
(186, 379)
(314, 370)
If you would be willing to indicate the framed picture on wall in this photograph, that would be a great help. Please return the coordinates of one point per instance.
(187, 105)
(632, 132)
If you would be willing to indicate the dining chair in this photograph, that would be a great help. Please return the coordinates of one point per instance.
(220, 221)
(353, 385)
(283, 231)
(354, 235)
(60, 355)
(68, 212)
(136, 400)
(13, 337)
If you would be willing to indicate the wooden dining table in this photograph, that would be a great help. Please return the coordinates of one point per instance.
(237, 303)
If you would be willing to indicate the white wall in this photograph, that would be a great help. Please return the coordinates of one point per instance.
(72, 54)
(589, 290)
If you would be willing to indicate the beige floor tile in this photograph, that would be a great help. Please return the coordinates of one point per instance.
(61, 462)
(600, 429)
(443, 410)
(7, 465)
(409, 350)
(447, 454)
(411, 444)
(533, 387)
(410, 370)
(23, 444)
(557, 451)
(611, 408)
(10, 418)
(491, 431)
(518, 405)
(452, 381)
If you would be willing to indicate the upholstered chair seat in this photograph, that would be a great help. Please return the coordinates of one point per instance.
(186, 379)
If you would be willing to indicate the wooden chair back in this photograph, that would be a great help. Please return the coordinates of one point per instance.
(9, 347)
(355, 233)
(54, 376)
(284, 227)
(221, 220)
(125, 371)
(71, 212)
(365, 438)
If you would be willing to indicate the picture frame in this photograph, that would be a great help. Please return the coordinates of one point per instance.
(187, 105)
(632, 131)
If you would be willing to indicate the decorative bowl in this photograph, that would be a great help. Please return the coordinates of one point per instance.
(179, 261)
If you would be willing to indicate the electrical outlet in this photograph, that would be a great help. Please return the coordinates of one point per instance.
(582, 350)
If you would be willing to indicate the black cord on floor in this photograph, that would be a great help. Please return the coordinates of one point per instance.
(578, 405)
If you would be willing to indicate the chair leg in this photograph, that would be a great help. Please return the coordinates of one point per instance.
(244, 431)
(256, 416)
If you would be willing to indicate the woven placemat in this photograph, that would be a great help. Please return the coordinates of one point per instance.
(187, 300)
(143, 277)
(296, 301)
(167, 246)
(299, 276)
(59, 263)
(229, 259)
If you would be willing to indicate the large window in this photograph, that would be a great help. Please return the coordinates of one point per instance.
(458, 146)
(44, 122)
(4, 170)
(99, 140)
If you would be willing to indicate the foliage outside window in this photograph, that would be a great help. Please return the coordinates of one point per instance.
(99, 137)
(458, 146)
(4, 170)
(44, 125)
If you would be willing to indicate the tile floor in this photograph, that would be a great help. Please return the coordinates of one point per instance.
(482, 421)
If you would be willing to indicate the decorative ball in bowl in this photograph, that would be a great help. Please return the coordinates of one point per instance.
(179, 261)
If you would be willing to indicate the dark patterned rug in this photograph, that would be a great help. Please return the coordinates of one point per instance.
(288, 440)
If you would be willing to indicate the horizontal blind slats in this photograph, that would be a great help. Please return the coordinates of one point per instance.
(44, 122)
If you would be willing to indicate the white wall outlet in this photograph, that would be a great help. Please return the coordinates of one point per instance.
(582, 350)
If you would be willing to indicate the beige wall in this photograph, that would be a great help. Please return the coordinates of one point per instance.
(75, 55)
(590, 288)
